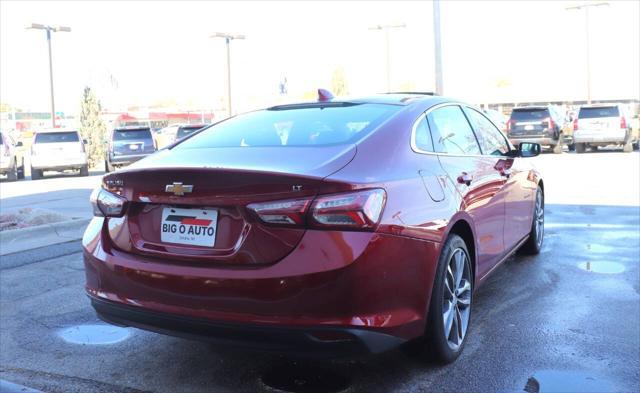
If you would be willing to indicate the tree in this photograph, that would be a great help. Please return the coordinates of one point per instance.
(339, 83)
(92, 128)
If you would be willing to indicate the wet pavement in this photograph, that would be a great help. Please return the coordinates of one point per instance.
(567, 320)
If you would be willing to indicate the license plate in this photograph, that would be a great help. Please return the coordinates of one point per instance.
(194, 227)
(134, 147)
(528, 127)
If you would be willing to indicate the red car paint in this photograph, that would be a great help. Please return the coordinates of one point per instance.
(270, 276)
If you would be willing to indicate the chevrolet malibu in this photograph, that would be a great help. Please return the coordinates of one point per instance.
(332, 227)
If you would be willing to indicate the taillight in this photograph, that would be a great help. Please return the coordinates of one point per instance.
(623, 122)
(359, 210)
(575, 124)
(107, 204)
(289, 212)
(552, 124)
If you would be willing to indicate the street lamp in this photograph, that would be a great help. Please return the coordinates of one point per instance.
(437, 46)
(227, 38)
(49, 29)
(386, 29)
(586, 20)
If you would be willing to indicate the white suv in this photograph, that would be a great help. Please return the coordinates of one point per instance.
(11, 160)
(57, 150)
(602, 125)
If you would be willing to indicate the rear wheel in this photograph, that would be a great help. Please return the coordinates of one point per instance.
(108, 167)
(21, 171)
(572, 147)
(450, 308)
(36, 174)
(84, 170)
(533, 245)
(636, 145)
(580, 148)
(12, 175)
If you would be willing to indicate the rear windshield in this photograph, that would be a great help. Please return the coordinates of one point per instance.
(184, 131)
(57, 137)
(132, 135)
(604, 111)
(310, 125)
(529, 114)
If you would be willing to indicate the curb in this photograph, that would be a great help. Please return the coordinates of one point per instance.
(17, 240)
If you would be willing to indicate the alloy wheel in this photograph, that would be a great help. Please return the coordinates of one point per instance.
(539, 218)
(456, 302)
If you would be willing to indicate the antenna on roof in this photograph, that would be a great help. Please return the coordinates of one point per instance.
(325, 95)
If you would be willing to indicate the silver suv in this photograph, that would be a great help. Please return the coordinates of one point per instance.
(602, 125)
(57, 150)
(11, 161)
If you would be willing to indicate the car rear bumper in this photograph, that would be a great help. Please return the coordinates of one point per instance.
(126, 159)
(600, 136)
(354, 282)
(543, 140)
(59, 163)
(316, 342)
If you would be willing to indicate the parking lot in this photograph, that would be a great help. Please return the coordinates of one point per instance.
(568, 317)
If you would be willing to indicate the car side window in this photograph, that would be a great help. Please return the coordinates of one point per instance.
(451, 131)
(491, 139)
(423, 135)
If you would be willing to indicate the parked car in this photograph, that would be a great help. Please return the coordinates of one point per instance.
(175, 132)
(127, 145)
(11, 158)
(602, 125)
(57, 150)
(498, 118)
(538, 124)
(324, 227)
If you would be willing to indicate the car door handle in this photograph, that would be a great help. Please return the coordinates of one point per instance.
(465, 178)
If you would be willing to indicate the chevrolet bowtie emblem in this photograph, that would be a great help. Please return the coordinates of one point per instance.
(178, 189)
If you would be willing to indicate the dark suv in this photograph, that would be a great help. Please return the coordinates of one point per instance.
(127, 145)
(537, 124)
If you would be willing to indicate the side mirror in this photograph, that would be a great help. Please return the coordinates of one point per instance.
(86, 142)
(19, 144)
(528, 149)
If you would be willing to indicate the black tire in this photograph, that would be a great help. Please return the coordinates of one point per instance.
(36, 174)
(572, 147)
(21, 171)
(84, 170)
(580, 148)
(533, 245)
(12, 175)
(636, 145)
(436, 342)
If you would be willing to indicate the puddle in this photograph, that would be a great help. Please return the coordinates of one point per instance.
(304, 379)
(602, 267)
(565, 381)
(94, 334)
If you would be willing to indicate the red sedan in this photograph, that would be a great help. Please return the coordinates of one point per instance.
(337, 226)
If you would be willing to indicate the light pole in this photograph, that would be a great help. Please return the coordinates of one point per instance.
(227, 38)
(386, 29)
(49, 29)
(437, 46)
(586, 20)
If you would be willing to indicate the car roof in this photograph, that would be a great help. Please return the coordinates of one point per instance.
(400, 99)
(129, 128)
(519, 108)
(599, 105)
(52, 130)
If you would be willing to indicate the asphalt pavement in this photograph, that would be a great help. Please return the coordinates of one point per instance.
(567, 320)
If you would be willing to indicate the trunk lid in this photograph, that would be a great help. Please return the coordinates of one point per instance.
(224, 181)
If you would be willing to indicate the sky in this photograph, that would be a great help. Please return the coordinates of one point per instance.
(147, 53)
